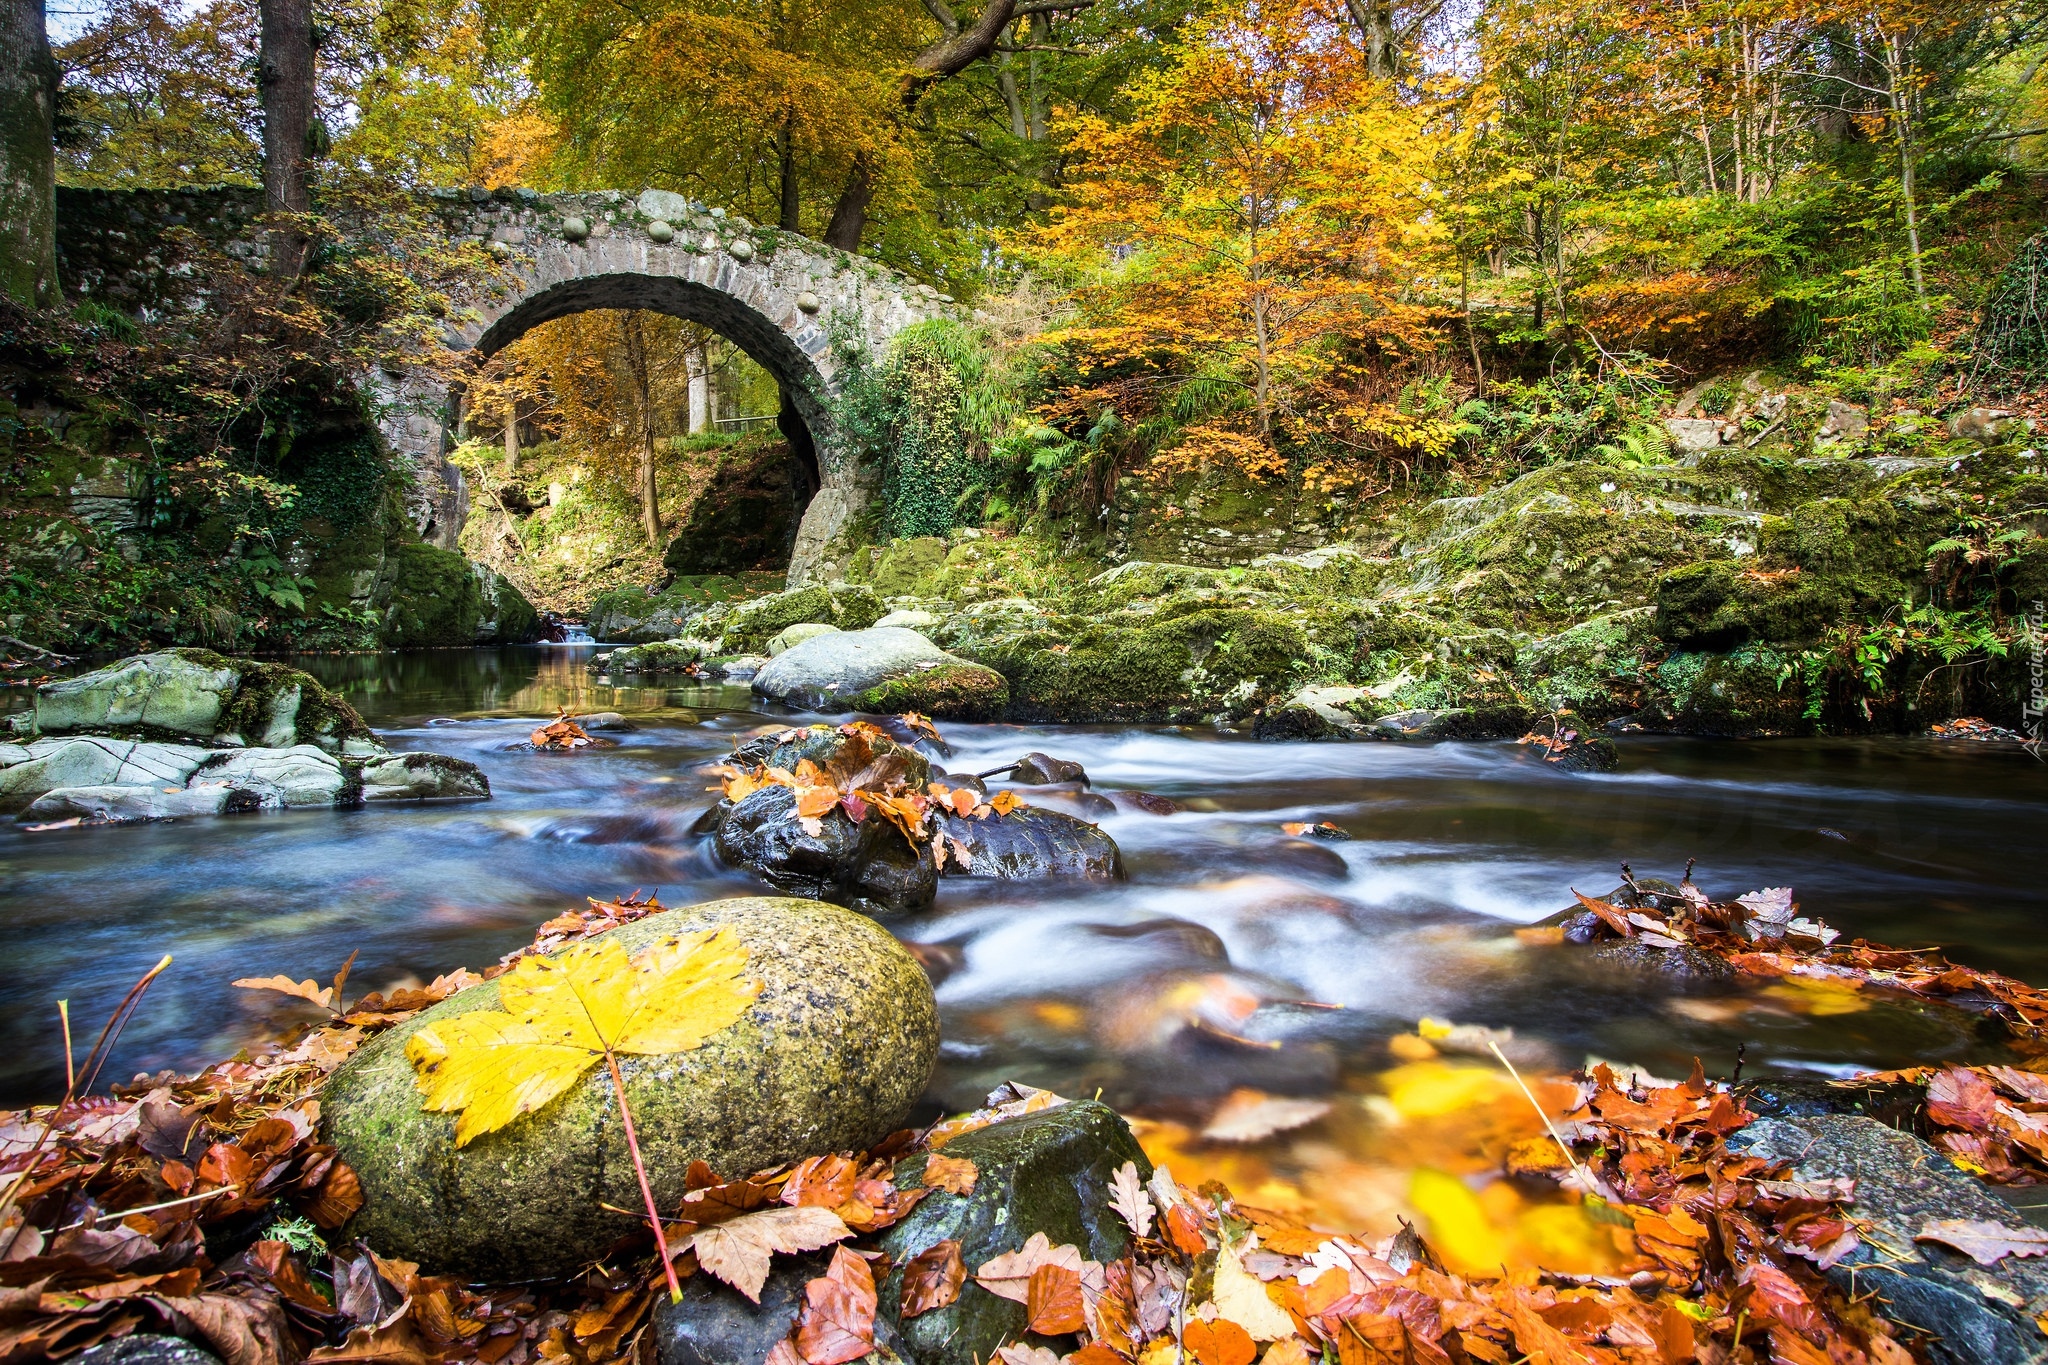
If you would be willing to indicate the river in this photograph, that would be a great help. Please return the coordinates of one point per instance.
(1225, 927)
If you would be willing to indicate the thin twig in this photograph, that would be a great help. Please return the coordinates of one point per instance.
(675, 1290)
(1555, 1136)
(70, 1069)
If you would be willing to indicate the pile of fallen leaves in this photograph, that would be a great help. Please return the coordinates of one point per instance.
(561, 735)
(1991, 1120)
(207, 1207)
(1762, 934)
(862, 779)
(1973, 728)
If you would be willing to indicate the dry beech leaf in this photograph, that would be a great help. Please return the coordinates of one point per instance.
(308, 990)
(561, 1015)
(1008, 1276)
(1242, 1298)
(953, 1174)
(1250, 1115)
(837, 1323)
(1052, 1300)
(932, 1278)
(1985, 1243)
(739, 1251)
(1127, 1197)
(1023, 1353)
(1221, 1342)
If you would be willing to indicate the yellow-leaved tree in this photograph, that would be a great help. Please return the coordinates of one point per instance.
(1249, 238)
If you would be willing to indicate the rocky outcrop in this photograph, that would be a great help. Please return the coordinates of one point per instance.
(188, 732)
(831, 1055)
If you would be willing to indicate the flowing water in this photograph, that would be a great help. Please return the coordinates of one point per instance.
(1208, 972)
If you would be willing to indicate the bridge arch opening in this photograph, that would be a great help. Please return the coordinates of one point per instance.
(741, 503)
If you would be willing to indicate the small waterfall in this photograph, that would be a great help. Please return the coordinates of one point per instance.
(573, 633)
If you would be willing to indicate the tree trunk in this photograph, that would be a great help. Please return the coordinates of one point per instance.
(850, 214)
(643, 392)
(1902, 122)
(511, 438)
(28, 172)
(699, 366)
(785, 155)
(285, 79)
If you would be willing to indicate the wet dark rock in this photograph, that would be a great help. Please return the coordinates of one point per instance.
(1043, 770)
(1180, 935)
(1030, 843)
(1303, 858)
(1974, 1315)
(1892, 1103)
(1585, 754)
(1047, 1172)
(715, 1324)
(1147, 802)
(959, 780)
(146, 1348)
(1681, 964)
(831, 1056)
(869, 866)
(1074, 800)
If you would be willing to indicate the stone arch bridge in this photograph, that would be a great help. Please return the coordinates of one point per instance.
(795, 306)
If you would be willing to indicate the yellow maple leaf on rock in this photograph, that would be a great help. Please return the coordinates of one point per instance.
(563, 1015)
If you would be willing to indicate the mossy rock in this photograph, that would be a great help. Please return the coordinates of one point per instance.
(751, 625)
(433, 599)
(1739, 695)
(834, 1052)
(505, 617)
(186, 694)
(1203, 661)
(903, 568)
(964, 692)
(665, 656)
(1046, 1172)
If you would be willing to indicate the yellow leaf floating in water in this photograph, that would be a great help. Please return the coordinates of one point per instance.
(563, 1014)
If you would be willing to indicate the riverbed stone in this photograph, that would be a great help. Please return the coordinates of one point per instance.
(1031, 844)
(94, 761)
(869, 866)
(116, 805)
(829, 670)
(835, 1051)
(165, 691)
(797, 634)
(716, 1325)
(425, 777)
(1975, 1315)
(956, 691)
(1046, 1172)
(679, 655)
(303, 775)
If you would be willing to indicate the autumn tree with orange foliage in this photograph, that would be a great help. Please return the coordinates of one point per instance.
(1239, 243)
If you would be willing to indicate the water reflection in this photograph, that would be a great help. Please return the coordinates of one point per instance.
(1211, 972)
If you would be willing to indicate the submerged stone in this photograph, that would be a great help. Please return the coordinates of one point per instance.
(832, 1055)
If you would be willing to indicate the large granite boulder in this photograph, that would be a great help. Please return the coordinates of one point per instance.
(831, 1056)
(833, 670)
